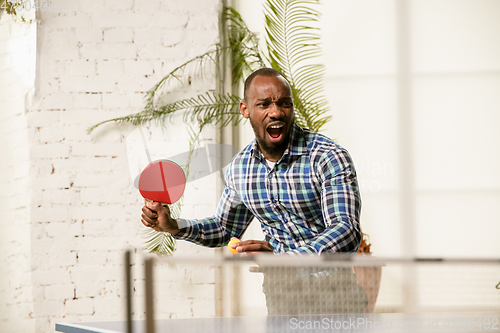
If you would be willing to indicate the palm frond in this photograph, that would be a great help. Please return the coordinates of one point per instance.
(209, 108)
(194, 67)
(243, 44)
(160, 243)
(292, 42)
(245, 56)
(242, 47)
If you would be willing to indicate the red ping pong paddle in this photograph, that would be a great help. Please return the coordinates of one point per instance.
(162, 181)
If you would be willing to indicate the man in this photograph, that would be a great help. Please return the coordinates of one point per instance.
(299, 184)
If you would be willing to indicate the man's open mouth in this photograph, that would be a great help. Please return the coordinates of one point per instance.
(276, 131)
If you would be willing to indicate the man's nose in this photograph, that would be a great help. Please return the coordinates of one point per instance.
(275, 111)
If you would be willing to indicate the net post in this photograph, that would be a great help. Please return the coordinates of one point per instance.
(128, 291)
(148, 270)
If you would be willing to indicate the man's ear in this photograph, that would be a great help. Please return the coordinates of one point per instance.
(244, 110)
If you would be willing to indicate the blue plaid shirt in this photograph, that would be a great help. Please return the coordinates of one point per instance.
(308, 202)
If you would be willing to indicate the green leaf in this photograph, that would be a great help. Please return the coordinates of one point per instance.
(292, 43)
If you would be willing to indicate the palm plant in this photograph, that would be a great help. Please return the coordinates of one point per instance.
(292, 42)
(11, 7)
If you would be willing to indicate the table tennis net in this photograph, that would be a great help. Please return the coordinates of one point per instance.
(222, 286)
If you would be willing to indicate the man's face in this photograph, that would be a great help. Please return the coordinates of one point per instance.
(269, 107)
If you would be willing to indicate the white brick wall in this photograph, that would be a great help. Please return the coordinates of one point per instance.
(17, 73)
(72, 199)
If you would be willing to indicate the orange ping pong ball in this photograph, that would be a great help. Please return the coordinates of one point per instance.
(231, 242)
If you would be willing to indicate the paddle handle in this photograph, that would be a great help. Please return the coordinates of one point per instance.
(162, 203)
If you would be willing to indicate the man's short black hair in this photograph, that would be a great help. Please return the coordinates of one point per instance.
(262, 72)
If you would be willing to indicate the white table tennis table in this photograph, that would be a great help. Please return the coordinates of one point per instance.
(451, 321)
(393, 322)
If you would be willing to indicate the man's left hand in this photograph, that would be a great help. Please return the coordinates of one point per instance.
(252, 246)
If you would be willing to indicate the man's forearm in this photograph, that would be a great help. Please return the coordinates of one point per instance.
(344, 237)
(206, 232)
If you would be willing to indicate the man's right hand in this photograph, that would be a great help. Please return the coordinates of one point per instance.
(157, 217)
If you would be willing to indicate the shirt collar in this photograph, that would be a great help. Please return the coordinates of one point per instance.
(296, 146)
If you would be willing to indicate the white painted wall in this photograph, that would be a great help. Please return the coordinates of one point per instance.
(70, 207)
(455, 76)
(455, 66)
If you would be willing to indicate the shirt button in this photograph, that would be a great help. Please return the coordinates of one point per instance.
(286, 220)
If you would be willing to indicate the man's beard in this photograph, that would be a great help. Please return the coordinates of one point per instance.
(270, 149)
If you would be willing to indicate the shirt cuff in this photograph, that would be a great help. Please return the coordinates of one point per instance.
(188, 229)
